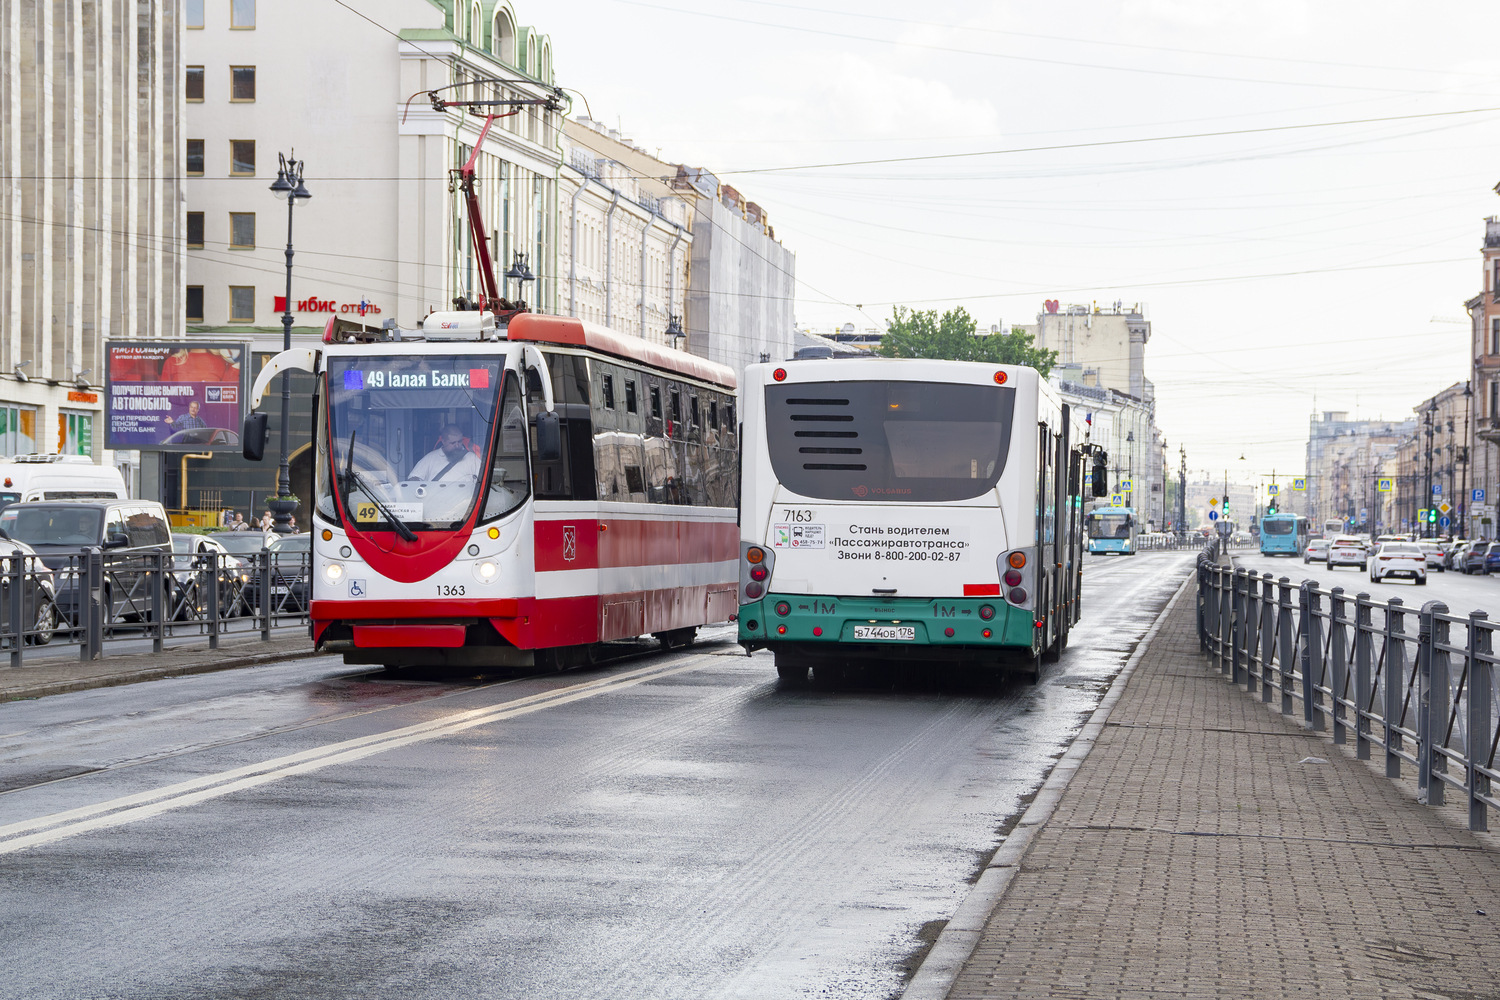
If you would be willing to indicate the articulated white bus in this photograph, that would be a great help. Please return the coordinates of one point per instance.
(909, 510)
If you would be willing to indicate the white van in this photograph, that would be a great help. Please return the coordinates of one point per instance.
(25, 478)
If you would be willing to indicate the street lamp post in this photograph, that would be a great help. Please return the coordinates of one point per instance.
(288, 186)
(1427, 421)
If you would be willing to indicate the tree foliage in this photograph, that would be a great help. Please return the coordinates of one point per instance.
(912, 333)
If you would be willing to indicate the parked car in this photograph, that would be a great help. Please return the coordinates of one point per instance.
(1474, 557)
(290, 560)
(1492, 558)
(1433, 551)
(1401, 559)
(1454, 558)
(187, 572)
(1316, 549)
(132, 534)
(1347, 550)
(38, 594)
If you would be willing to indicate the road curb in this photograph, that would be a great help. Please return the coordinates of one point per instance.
(960, 936)
(207, 665)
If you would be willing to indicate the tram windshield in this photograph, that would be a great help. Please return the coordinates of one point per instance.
(411, 438)
(1109, 525)
(894, 441)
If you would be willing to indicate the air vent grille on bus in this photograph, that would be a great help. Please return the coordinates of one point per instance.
(826, 417)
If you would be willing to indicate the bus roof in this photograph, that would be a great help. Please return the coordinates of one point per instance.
(571, 332)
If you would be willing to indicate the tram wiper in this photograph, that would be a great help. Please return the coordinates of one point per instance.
(351, 476)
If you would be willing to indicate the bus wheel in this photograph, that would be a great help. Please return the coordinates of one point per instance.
(793, 673)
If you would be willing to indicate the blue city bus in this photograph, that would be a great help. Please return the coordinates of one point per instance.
(1283, 535)
(1112, 529)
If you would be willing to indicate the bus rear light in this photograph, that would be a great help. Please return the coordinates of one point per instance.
(758, 573)
(817, 630)
(783, 608)
(781, 630)
(986, 612)
(1000, 378)
(754, 590)
(1016, 560)
(986, 633)
(755, 556)
(948, 632)
(1012, 578)
(779, 374)
(1017, 595)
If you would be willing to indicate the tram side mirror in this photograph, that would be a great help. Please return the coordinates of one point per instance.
(1101, 476)
(548, 437)
(253, 436)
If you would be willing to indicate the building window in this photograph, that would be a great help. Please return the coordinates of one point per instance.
(195, 303)
(241, 230)
(194, 87)
(195, 230)
(193, 12)
(1495, 335)
(242, 303)
(241, 157)
(195, 157)
(242, 13)
(242, 83)
(17, 430)
(75, 433)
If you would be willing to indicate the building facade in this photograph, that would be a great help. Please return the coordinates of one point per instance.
(90, 96)
(1346, 459)
(385, 235)
(626, 236)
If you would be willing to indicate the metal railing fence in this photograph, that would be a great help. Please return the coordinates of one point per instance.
(1416, 684)
(95, 596)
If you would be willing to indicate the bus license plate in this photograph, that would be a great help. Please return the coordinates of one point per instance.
(886, 633)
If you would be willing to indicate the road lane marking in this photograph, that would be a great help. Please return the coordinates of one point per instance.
(144, 805)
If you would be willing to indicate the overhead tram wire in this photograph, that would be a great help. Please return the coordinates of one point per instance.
(802, 9)
(1072, 64)
(1105, 143)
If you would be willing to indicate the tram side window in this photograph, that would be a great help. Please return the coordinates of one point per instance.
(509, 479)
(570, 476)
(630, 395)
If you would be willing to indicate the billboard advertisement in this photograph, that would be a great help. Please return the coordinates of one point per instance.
(165, 396)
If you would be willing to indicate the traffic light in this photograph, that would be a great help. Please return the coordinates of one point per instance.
(1271, 506)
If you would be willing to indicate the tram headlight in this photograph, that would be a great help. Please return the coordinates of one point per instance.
(486, 572)
(334, 572)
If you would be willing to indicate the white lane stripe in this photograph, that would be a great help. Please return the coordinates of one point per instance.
(143, 805)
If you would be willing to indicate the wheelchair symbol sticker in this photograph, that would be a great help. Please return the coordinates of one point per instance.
(356, 588)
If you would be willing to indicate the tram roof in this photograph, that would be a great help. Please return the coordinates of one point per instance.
(571, 332)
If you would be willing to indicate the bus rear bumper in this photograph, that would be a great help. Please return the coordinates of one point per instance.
(921, 628)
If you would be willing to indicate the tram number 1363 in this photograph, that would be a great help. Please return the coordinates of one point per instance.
(450, 590)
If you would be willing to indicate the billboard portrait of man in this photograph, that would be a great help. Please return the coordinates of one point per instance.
(189, 421)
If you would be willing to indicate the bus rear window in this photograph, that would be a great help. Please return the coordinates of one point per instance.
(912, 442)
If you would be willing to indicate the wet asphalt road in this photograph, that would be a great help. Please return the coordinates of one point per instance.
(674, 825)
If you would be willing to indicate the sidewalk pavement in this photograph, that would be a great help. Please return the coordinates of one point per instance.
(1196, 851)
(39, 677)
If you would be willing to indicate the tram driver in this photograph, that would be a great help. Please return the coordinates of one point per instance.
(452, 459)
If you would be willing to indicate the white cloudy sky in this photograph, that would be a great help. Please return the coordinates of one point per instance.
(1282, 268)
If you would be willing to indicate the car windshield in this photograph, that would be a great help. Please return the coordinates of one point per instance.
(184, 544)
(51, 525)
(242, 543)
(411, 438)
(292, 543)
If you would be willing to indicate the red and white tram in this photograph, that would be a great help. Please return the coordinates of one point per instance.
(513, 495)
